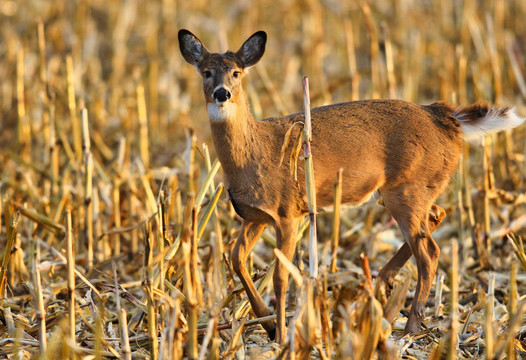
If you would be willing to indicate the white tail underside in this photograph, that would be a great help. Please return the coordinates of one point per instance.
(494, 120)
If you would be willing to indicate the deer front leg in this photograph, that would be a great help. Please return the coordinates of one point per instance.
(248, 236)
(285, 241)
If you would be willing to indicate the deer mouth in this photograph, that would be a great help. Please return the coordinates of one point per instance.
(221, 111)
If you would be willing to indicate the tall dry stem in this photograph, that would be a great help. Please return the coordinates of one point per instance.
(335, 239)
(453, 306)
(148, 287)
(24, 127)
(71, 283)
(72, 105)
(143, 127)
(88, 187)
(309, 181)
(40, 313)
(11, 238)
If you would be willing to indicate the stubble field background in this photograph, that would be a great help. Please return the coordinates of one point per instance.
(102, 123)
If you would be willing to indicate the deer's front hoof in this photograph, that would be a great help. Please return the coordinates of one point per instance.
(271, 333)
(413, 324)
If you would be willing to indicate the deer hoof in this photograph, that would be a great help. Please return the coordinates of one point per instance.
(272, 333)
(413, 325)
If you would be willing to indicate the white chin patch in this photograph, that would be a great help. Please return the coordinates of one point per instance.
(221, 112)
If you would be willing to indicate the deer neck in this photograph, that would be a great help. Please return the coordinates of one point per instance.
(235, 136)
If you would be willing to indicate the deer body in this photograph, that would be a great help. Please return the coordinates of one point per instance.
(403, 151)
(345, 135)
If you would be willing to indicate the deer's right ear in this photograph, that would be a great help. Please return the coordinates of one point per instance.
(191, 47)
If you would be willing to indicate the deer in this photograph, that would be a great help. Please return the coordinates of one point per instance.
(395, 151)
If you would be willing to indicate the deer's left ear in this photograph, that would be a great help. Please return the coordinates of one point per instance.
(253, 49)
(191, 47)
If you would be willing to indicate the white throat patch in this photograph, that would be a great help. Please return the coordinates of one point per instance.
(221, 112)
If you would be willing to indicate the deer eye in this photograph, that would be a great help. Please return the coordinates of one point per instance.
(207, 74)
(236, 74)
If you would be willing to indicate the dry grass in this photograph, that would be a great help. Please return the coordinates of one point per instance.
(101, 118)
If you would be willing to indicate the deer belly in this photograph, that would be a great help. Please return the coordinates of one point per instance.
(248, 210)
(370, 198)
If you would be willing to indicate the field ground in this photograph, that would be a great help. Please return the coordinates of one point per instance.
(104, 160)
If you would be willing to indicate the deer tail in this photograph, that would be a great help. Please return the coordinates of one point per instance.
(481, 119)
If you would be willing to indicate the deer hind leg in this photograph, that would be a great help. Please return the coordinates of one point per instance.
(285, 241)
(412, 213)
(248, 236)
(435, 216)
(426, 253)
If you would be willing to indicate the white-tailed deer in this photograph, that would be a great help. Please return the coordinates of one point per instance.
(403, 152)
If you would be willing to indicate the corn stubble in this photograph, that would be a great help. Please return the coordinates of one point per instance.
(114, 228)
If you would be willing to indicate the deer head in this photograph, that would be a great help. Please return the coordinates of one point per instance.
(222, 73)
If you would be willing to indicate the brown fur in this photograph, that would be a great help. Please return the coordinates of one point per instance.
(407, 152)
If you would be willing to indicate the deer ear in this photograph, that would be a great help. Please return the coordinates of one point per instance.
(191, 47)
(252, 50)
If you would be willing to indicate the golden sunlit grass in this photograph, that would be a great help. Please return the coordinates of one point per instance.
(115, 231)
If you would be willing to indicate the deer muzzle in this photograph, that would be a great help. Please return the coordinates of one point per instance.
(221, 95)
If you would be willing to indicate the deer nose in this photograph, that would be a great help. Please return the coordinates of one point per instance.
(221, 95)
